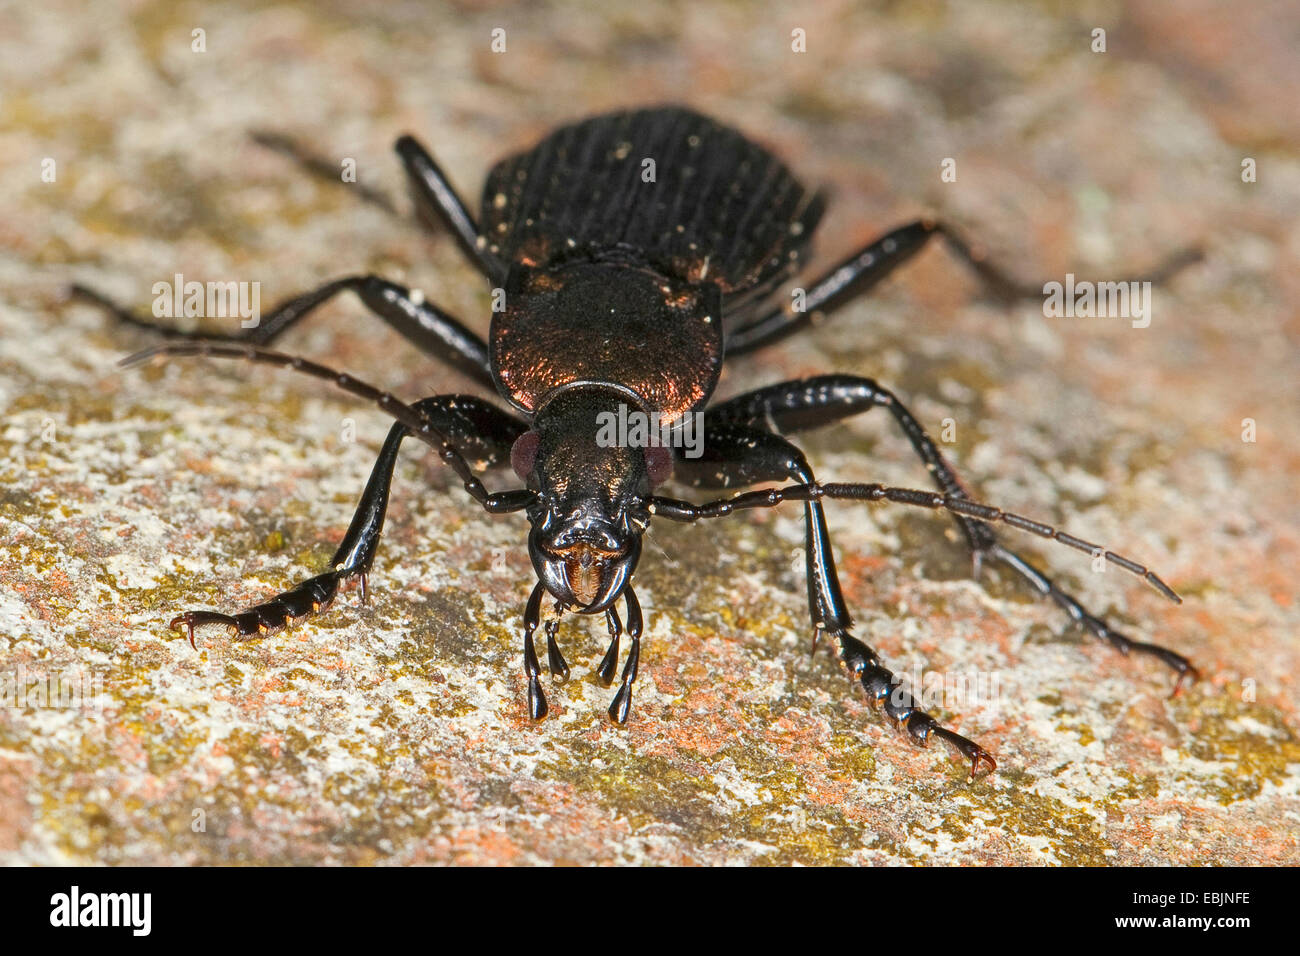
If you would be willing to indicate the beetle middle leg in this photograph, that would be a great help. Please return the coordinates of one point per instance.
(862, 271)
(435, 332)
(478, 429)
(743, 454)
(809, 403)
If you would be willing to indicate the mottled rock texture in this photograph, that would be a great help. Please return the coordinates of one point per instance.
(395, 732)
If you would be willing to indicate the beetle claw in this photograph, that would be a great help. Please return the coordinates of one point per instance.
(192, 619)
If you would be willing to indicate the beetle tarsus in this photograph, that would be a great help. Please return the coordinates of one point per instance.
(310, 597)
(885, 690)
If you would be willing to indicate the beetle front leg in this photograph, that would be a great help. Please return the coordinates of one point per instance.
(738, 454)
(353, 558)
(479, 429)
(885, 690)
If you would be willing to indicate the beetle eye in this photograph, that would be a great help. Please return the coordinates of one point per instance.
(658, 464)
(523, 454)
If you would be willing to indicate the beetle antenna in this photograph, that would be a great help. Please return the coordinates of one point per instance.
(957, 504)
(418, 425)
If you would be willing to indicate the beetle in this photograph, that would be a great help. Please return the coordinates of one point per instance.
(626, 291)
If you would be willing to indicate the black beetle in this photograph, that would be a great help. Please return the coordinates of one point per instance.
(624, 291)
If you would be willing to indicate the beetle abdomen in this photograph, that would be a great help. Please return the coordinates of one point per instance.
(667, 188)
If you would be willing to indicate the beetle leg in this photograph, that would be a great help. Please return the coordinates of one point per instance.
(1182, 667)
(434, 196)
(432, 193)
(433, 331)
(320, 167)
(860, 272)
(740, 454)
(813, 402)
(481, 430)
(884, 689)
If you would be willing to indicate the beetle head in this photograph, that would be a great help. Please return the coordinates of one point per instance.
(591, 506)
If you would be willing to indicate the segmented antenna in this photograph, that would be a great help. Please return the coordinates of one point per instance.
(418, 425)
(770, 497)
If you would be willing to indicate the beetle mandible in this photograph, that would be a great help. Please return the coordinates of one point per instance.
(626, 291)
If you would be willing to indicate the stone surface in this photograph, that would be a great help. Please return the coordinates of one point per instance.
(396, 732)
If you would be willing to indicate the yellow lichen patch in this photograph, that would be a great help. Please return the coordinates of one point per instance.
(1253, 741)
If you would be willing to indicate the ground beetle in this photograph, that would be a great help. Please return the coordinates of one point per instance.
(622, 289)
